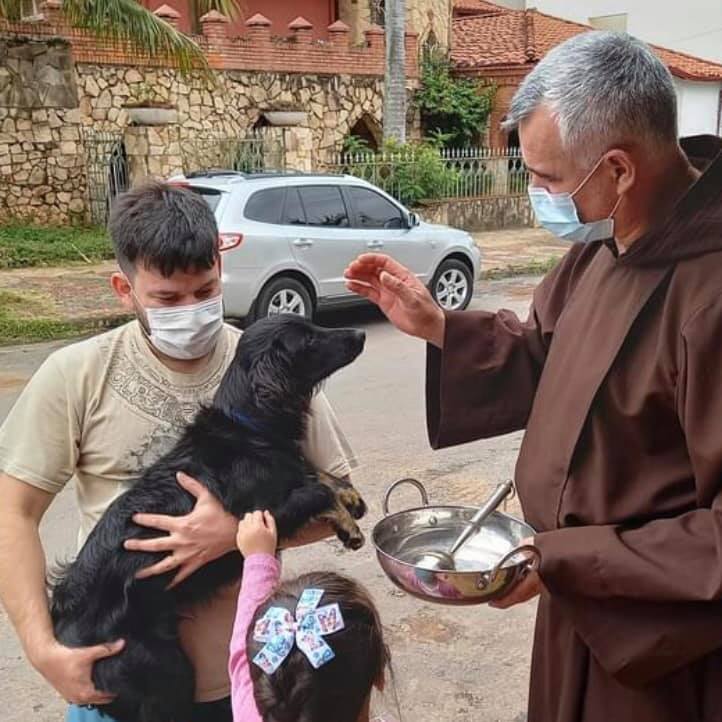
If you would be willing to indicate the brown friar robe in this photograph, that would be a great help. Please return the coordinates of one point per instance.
(617, 378)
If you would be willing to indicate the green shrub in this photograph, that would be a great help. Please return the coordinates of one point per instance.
(453, 109)
(410, 172)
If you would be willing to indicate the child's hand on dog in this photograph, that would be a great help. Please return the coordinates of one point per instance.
(257, 534)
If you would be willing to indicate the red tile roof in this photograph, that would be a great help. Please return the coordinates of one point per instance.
(476, 7)
(514, 38)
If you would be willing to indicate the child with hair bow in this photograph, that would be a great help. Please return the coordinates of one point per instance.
(308, 650)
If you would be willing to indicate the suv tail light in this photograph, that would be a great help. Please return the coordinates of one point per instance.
(226, 241)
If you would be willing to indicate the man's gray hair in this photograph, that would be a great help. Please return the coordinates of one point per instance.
(603, 88)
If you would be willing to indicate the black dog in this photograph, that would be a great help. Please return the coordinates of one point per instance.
(246, 449)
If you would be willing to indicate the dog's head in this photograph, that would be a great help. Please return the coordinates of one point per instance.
(280, 361)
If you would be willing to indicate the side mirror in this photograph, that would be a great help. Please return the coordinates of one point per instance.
(414, 220)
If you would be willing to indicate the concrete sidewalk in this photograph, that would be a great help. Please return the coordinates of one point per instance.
(518, 250)
(82, 293)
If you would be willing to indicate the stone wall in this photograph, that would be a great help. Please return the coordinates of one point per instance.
(481, 214)
(58, 95)
(235, 104)
(43, 159)
(42, 174)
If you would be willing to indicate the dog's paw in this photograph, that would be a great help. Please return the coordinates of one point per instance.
(353, 501)
(353, 540)
(347, 530)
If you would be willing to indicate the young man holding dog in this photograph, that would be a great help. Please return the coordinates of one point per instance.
(110, 406)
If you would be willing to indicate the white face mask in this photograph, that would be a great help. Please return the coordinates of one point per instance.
(557, 212)
(186, 332)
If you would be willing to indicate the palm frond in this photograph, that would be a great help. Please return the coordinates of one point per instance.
(128, 20)
(11, 10)
(230, 8)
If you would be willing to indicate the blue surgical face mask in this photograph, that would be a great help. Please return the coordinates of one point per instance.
(557, 213)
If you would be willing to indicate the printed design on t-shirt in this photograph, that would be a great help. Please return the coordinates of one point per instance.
(160, 442)
(140, 386)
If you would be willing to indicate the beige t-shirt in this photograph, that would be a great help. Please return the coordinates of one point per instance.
(101, 411)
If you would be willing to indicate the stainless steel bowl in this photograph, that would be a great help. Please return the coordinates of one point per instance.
(487, 566)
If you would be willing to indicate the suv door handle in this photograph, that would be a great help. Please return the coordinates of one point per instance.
(375, 244)
(303, 242)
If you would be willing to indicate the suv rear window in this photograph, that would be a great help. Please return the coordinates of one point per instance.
(293, 213)
(265, 206)
(324, 206)
(211, 196)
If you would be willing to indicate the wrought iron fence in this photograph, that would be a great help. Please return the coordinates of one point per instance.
(253, 153)
(486, 171)
(463, 172)
(106, 170)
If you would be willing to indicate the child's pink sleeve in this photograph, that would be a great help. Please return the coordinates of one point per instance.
(261, 573)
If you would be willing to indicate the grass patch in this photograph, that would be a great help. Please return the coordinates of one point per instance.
(532, 268)
(22, 320)
(27, 246)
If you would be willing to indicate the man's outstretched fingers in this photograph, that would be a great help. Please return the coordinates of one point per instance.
(165, 565)
(159, 522)
(191, 485)
(101, 651)
(183, 573)
(156, 544)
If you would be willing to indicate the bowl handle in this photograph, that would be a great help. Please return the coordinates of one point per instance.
(531, 563)
(401, 482)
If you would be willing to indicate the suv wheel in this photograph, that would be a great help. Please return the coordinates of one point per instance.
(284, 295)
(453, 285)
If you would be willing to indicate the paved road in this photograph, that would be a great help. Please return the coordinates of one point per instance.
(450, 664)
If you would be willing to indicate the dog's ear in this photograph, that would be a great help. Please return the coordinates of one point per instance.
(269, 377)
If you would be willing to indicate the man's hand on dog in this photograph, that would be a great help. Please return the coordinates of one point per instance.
(205, 534)
(193, 540)
(257, 534)
(69, 671)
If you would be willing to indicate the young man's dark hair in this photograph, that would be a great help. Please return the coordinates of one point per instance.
(165, 227)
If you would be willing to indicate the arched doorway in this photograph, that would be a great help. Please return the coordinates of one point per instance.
(368, 131)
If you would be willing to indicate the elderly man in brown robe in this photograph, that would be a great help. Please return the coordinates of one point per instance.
(616, 376)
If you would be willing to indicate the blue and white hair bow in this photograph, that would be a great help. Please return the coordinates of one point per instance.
(279, 630)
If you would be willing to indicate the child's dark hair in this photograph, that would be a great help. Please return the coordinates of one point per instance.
(164, 227)
(338, 690)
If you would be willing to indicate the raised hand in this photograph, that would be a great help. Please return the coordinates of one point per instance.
(402, 297)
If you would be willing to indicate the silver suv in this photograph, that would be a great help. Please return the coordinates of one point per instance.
(286, 239)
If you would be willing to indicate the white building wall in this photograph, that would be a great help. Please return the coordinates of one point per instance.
(698, 107)
(693, 26)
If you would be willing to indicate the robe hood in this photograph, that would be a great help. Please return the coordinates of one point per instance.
(694, 227)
